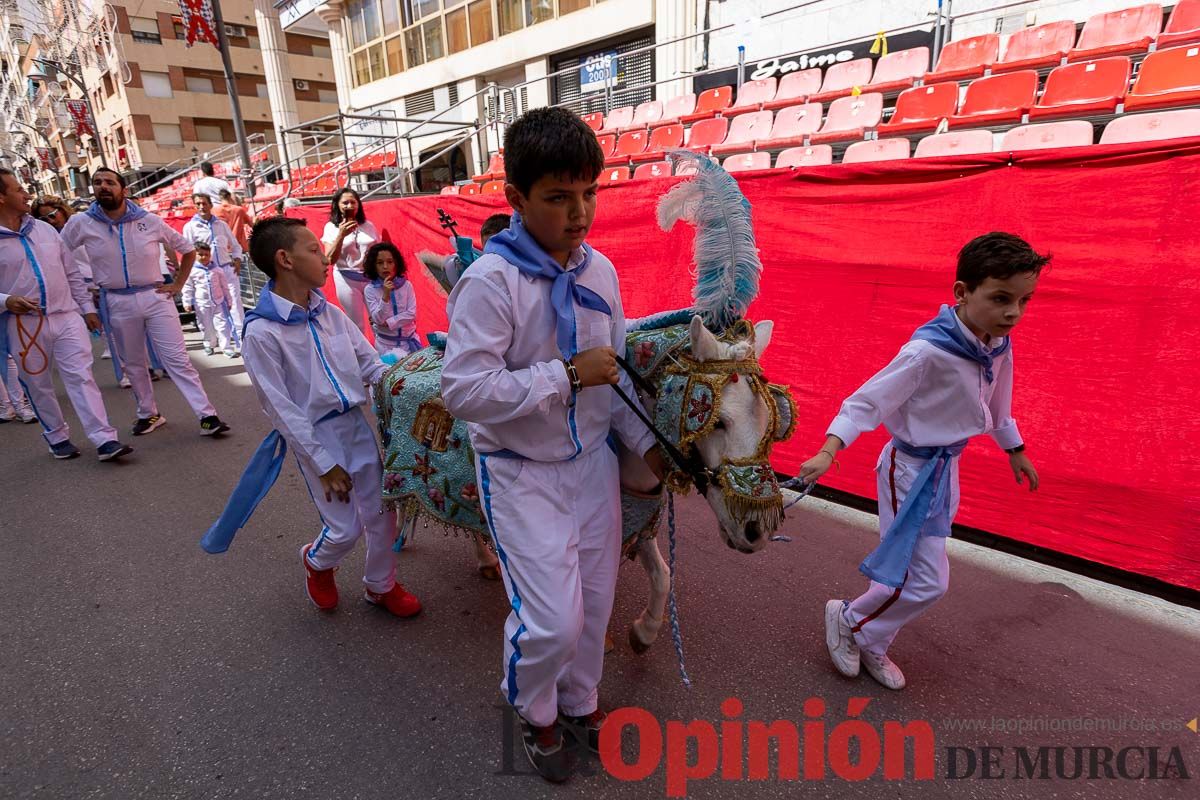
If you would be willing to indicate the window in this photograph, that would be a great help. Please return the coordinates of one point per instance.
(157, 84)
(371, 24)
(375, 59)
(167, 135)
(413, 53)
(199, 84)
(391, 17)
(421, 8)
(431, 32)
(209, 133)
(322, 51)
(145, 30)
(456, 31)
(567, 6)
(327, 96)
(361, 73)
(481, 21)
(354, 21)
(395, 55)
(512, 15)
(261, 90)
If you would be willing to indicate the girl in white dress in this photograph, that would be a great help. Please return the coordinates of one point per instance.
(391, 301)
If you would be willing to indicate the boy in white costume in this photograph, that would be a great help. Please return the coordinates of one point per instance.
(953, 380)
(227, 255)
(309, 364)
(43, 305)
(530, 377)
(207, 292)
(122, 243)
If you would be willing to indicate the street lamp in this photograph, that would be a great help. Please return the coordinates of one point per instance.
(36, 74)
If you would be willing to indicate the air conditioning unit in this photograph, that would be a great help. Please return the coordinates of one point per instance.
(301, 86)
(238, 31)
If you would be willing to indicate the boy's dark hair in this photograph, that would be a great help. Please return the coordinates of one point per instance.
(225, 194)
(494, 224)
(197, 195)
(335, 213)
(550, 141)
(997, 255)
(371, 270)
(268, 237)
(207, 168)
(120, 178)
(200, 244)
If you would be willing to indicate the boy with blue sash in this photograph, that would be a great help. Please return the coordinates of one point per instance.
(309, 365)
(208, 293)
(535, 326)
(953, 380)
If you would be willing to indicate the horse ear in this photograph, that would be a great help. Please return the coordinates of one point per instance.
(704, 345)
(762, 336)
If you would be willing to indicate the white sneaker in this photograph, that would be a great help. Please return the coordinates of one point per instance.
(884, 670)
(842, 647)
(26, 415)
(8, 414)
(106, 354)
(125, 384)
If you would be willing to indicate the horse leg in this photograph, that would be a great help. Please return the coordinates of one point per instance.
(485, 559)
(644, 630)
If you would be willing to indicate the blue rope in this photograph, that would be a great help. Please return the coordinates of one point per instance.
(676, 636)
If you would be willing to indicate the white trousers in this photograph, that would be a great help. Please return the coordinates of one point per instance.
(236, 310)
(215, 326)
(149, 314)
(557, 530)
(12, 396)
(878, 614)
(64, 340)
(351, 440)
(352, 300)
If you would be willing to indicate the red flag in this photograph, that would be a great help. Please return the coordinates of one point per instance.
(199, 25)
(43, 154)
(78, 109)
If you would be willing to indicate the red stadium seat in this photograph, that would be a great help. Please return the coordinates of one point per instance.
(1152, 127)
(618, 118)
(1087, 87)
(492, 187)
(1071, 133)
(876, 150)
(1184, 25)
(816, 156)
(751, 96)
(955, 143)
(1130, 30)
(794, 89)
(899, 70)
(841, 78)
(614, 175)
(665, 137)
(469, 189)
(630, 144)
(1167, 78)
(389, 160)
(850, 118)
(922, 108)
(792, 127)
(452, 189)
(677, 107)
(608, 143)
(743, 131)
(658, 169)
(706, 133)
(966, 58)
(495, 169)
(594, 120)
(710, 103)
(1041, 46)
(744, 162)
(997, 100)
(647, 113)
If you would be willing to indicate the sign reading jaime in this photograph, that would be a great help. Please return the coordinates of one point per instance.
(598, 71)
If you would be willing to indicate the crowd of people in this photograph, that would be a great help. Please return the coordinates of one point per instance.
(536, 324)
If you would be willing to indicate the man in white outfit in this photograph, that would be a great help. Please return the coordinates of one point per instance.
(210, 185)
(122, 243)
(227, 253)
(42, 297)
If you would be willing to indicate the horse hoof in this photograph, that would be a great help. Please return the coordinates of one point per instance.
(609, 644)
(637, 645)
(490, 572)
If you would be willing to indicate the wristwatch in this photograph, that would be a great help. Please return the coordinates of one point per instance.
(573, 376)
(1012, 451)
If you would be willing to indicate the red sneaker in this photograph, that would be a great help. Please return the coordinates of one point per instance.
(319, 583)
(395, 600)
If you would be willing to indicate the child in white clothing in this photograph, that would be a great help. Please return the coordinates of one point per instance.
(207, 292)
(391, 301)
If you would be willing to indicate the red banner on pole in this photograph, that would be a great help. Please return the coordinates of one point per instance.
(199, 24)
(78, 109)
(43, 154)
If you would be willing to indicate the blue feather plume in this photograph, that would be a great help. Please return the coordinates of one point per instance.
(726, 256)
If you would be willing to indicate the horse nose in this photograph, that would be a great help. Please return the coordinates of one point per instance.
(752, 531)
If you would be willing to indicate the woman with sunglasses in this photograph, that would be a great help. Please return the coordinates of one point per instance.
(52, 209)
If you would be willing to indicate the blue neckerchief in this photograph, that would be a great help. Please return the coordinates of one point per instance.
(945, 333)
(926, 509)
(23, 234)
(516, 246)
(266, 309)
(132, 212)
(400, 281)
(209, 267)
(211, 224)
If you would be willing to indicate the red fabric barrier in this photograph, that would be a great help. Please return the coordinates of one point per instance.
(857, 256)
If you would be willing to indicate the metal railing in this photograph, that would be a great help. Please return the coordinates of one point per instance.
(185, 164)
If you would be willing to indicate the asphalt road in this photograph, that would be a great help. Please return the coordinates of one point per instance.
(134, 665)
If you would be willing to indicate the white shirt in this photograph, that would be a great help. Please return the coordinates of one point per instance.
(354, 246)
(65, 287)
(299, 383)
(502, 373)
(123, 255)
(206, 287)
(930, 398)
(398, 314)
(212, 187)
(219, 237)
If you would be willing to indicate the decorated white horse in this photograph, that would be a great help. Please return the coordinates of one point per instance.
(699, 385)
